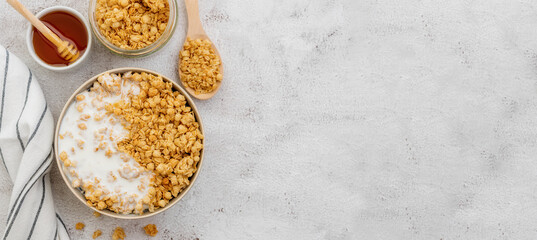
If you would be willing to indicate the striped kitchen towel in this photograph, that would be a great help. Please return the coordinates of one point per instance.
(26, 133)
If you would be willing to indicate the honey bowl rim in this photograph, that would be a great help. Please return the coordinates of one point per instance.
(78, 193)
(80, 60)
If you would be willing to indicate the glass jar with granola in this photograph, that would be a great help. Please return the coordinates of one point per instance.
(133, 27)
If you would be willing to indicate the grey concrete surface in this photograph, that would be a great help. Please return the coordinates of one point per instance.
(371, 119)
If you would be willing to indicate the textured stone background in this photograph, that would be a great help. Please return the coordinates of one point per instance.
(347, 119)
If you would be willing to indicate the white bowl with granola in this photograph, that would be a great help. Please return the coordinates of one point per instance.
(129, 143)
(133, 28)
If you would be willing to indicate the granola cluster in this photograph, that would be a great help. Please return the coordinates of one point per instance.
(79, 226)
(199, 66)
(164, 137)
(96, 234)
(118, 233)
(151, 230)
(132, 24)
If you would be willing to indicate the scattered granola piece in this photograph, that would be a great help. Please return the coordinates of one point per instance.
(96, 214)
(151, 230)
(82, 126)
(118, 234)
(79, 226)
(97, 233)
(63, 155)
(80, 97)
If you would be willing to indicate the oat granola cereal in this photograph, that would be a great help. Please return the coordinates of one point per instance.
(199, 66)
(96, 214)
(118, 234)
(79, 226)
(151, 230)
(164, 137)
(130, 143)
(96, 234)
(132, 24)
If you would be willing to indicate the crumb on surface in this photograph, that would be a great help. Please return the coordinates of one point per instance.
(96, 214)
(97, 233)
(151, 230)
(118, 233)
(79, 226)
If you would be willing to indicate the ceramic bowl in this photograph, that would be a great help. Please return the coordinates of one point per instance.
(78, 192)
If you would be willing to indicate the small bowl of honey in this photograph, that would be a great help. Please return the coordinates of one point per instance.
(70, 26)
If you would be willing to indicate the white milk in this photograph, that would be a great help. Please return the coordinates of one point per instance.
(116, 174)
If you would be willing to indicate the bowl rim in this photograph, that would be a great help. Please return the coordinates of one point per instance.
(78, 193)
(142, 52)
(30, 45)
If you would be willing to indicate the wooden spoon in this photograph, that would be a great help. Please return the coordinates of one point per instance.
(195, 31)
(67, 51)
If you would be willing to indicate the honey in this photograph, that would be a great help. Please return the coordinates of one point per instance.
(68, 27)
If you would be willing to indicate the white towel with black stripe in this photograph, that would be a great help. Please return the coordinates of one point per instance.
(26, 133)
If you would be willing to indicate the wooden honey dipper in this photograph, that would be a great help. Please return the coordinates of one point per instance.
(67, 50)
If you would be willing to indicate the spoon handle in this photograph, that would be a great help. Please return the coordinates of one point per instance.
(194, 22)
(36, 22)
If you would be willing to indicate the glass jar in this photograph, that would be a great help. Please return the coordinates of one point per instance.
(155, 46)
